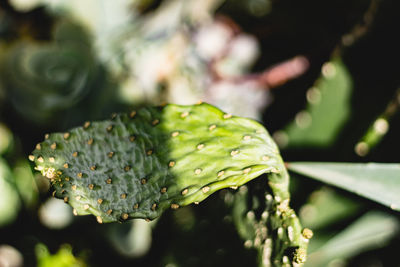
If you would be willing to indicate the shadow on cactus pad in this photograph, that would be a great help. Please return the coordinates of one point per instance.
(139, 164)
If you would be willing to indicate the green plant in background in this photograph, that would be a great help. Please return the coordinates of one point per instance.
(46, 78)
(63, 257)
(136, 165)
(64, 62)
(9, 199)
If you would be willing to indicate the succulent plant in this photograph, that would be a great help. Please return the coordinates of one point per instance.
(43, 79)
(269, 225)
(137, 165)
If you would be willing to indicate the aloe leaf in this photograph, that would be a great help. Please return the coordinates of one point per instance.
(379, 182)
(372, 230)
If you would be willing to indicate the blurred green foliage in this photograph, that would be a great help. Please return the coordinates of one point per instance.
(65, 62)
(63, 257)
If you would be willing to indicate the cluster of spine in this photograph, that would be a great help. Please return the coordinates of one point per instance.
(138, 164)
(267, 223)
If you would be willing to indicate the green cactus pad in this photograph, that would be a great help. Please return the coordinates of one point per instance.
(136, 165)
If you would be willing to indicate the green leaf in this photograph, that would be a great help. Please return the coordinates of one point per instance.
(379, 182)
(320, 122)
(373, 230)
(315, 214)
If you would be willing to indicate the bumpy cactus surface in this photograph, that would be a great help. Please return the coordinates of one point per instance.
(269, 225)
(136, 165)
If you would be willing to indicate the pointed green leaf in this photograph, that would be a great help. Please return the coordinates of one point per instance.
(373, 230)
(379, 182)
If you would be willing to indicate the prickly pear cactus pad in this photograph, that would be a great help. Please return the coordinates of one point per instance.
(138, 164)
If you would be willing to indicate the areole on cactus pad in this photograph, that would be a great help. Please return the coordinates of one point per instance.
(138, 164)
